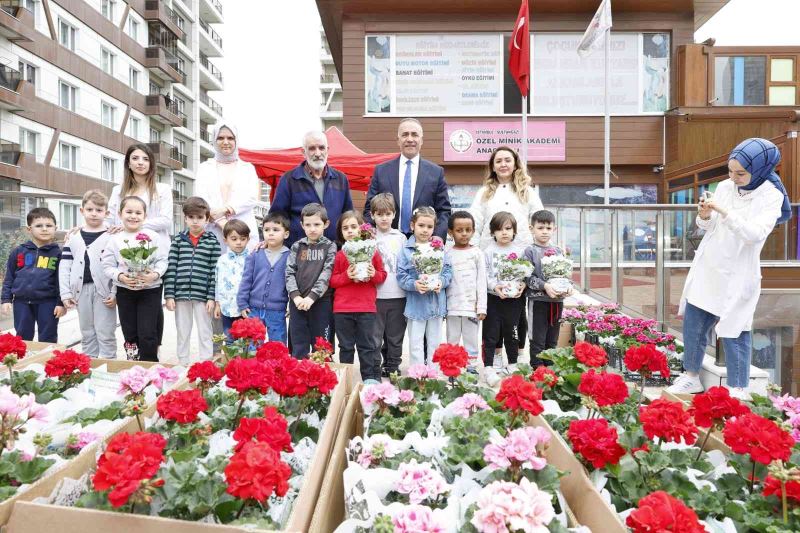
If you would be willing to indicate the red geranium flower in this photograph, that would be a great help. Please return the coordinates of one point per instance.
(604, 388)
(272, 429)
(589, 354)
(12, 345)
(668, 421)
(272, 350)
(596, 441)
(452, 359)
(245, 375)
(256, 472)
(68, 365)
(282, 378)
(643, 448)
(322, 344)
(758, 437)
(715, 406)
(646, 360)
(544, 375)
(772, 487)
(518, 394)
(316, 377)
(205, 371)
(248, 328)
(128, 461)
(181, 406)
(659, 513)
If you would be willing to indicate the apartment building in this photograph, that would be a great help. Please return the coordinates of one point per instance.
(330, 110)
(80, 80)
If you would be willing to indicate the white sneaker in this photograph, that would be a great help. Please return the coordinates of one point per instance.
(686, 384)
(510, 369)
(491, 377)
(740, 394)
(497, 362)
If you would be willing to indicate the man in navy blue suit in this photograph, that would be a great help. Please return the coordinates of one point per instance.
(413, 182)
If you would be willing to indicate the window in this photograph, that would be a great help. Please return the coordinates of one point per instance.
(155, 135)
(67, 34)
(107, 167)
(28, 142)
(28, 72)
(181, 146)
(69, 215)
(133, 78)
(108, 8)
(67, 95)
(133, 28)
(134, 128)
(107, 60)
(180, 103)
(107, 115)
(154, 88)
(69, 157)
(30, 5)
(180, 186)
(740, 80)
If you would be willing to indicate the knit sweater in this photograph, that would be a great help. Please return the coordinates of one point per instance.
(355, 296)
(190, 274)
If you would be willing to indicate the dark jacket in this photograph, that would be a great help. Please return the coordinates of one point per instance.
(296, 190)
(192, 270)
(430, 190)
(536, 292)
(263, 285)
(32, 273)
(309, 268)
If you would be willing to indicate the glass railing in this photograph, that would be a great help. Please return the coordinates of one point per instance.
(9, 78)
(9, 152)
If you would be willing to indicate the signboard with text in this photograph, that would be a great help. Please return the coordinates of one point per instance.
(474, 141)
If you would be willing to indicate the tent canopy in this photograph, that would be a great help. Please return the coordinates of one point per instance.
(343, 155)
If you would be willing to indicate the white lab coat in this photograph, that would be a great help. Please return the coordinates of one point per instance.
(504, 199)
(159, 213)
(244, 196)
(725, 277)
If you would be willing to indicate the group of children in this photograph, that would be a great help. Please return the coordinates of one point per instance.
(314, 280)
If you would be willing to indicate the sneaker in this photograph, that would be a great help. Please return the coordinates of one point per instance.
(472, 370)
(491, 377)
(385, 373)
(740, 394)
(510, 369)
(497, 362)
(686, 384)
(368, 382)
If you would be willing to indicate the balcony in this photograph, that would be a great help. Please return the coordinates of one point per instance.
(164, 110)
(211, 11)
(16, 22)
(10, 97)
(166, 155)
(164, 63)
(329, 79)
(157, 10)
(210, 109)
(210, 75)
(9, 159)
(210, 41)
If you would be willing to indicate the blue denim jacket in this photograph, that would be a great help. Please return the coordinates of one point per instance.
(421, 306)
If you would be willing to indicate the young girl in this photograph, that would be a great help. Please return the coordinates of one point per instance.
(502, 311)
(354, 303)
(425, 308)
(138, 296)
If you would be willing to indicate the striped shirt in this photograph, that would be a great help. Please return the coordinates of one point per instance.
(190, 274)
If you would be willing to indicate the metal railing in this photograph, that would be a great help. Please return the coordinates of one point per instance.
(328, 78)
(9, 78)
(205, 135)
(207, 100)
(210, 67)
(211, 33)
(11, 6)
(217, 4)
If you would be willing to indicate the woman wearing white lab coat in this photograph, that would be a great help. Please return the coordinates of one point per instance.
(724, 281)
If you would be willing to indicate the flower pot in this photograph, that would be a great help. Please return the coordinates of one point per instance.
(431, 281)
(362, 271)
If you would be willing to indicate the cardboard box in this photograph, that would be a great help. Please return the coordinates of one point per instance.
(329, 511)
(38, 352)
(564, 335)
(28, 517)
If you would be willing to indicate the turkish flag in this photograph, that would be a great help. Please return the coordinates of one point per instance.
(519, 50)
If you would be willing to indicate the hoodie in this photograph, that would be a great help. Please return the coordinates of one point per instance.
(32, 273)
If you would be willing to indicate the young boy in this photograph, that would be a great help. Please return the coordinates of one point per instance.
(30, 287)
(263, 293)
(230, 267)
(189, 287)
(466, 295)
(84, 284)
(544, 303)
(308, 274)
(390, 320)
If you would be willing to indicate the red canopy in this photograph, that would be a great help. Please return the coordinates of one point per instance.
(342, 155)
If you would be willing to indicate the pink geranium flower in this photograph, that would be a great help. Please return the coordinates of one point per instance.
(134, 380)
(469, 404)
(143, 237)
(505, 506)
(420, 482)
(519, 449)
(416, 519)
(421, 371)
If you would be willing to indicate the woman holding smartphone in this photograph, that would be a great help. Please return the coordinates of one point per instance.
(724, 281)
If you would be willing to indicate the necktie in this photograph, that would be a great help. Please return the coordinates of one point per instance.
(405, 205)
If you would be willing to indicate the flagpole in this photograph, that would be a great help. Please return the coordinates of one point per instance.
(607, 121)
(523, 153)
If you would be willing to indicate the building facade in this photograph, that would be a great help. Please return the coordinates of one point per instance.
(84, 79)
(330, 103)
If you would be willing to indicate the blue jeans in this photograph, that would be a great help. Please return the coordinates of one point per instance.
(227, 322)
(697, 326)
(274, 321)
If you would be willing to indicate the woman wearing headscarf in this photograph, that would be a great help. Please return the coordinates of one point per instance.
(229, 185)
(724, 281)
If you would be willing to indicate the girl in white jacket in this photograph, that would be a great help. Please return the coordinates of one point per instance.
(724, 281)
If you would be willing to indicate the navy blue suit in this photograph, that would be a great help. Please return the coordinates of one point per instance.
(430, 190)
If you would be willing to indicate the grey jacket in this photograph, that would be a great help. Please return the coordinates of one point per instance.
(309, 268)
(71, 267)
(534, 254)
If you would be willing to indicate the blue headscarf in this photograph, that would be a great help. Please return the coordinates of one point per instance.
(759, 157)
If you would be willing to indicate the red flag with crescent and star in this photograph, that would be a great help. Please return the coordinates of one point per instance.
(519, 56)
